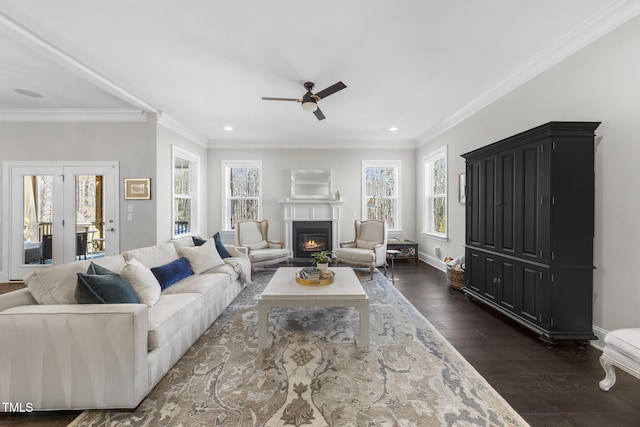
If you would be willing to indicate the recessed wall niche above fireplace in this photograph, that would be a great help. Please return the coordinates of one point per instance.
(310, 237)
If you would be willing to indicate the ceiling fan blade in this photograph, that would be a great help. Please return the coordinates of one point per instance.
(319, 114)
(331, 90)
(267, 98)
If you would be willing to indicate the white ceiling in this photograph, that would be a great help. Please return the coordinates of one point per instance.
(420, 65)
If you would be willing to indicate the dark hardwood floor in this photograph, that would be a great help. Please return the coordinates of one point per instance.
(547, 386)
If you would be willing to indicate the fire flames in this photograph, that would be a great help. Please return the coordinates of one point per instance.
(312, 245)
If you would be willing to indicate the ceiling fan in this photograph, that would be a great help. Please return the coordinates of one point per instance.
(309, 100)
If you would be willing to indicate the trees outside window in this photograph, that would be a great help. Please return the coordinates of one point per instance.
(435, 189)
(381, 198)
(185, 184)
(243, 191)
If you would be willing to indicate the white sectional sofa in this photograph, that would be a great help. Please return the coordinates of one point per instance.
(57, 354)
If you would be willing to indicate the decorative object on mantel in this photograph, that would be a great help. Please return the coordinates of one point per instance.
(338, 197)
(137, 188)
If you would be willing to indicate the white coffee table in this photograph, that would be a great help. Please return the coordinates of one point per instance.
(283, 291)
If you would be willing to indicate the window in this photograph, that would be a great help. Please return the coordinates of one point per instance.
(185, 191)
(381, 198)
(435, 193)
(243, 191)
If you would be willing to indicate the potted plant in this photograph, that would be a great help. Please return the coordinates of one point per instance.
(321, 259)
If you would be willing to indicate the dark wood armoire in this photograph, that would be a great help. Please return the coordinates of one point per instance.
(529, 228)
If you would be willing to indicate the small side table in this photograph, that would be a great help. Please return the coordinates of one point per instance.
(393, 253)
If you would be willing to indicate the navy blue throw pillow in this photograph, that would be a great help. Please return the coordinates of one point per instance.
(173, 272)
(198, 241)
(220, 246)
(104, 289)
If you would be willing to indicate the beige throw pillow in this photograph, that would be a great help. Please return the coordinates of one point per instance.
(366, 245)
(202, 258)
(142, 280)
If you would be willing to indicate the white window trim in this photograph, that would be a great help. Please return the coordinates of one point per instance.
(225, 188)
(397, 164)
(426, 208)
(194, 189)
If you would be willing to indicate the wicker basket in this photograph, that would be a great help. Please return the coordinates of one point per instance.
(455, 278)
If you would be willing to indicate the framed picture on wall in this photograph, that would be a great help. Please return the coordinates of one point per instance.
(137, 188)
(462, 189)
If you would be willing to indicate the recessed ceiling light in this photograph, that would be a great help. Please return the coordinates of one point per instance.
(393, 129)
(228, 128)
(30, 93)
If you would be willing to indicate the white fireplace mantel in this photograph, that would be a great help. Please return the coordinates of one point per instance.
(311, 210)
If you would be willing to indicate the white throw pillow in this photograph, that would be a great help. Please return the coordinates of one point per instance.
(143, 282)
(154, 256)
(202, 258)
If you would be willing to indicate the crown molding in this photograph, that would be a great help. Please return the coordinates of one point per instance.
(172, 124)
(67, 60)
(589, 31)
(312, 145)
(70, 115)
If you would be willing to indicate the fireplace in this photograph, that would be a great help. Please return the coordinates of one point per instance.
(310, 237)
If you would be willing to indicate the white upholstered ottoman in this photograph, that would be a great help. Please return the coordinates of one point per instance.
(622, 350)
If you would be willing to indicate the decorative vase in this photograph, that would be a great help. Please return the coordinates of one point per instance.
(323, 266)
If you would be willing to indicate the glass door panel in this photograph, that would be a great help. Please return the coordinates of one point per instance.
(60, 213)
(90, 230)
(37, 215)
(92, 215)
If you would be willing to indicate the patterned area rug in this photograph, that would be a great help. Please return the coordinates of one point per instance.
(314, 375)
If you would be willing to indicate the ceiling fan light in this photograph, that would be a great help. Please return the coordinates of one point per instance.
(309, 106)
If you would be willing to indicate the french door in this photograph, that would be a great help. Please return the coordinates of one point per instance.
(59, 213)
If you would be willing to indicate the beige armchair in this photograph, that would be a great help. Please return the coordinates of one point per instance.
(253, 235)
(369, 248)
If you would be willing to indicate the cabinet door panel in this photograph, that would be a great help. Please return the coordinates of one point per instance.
(472, 273)
(529, 202)
(544, 195)
(473, 203)
(507, 284)
(488, 203)
(490, 269)
(535, 302)
(506, 202)
(529, 294)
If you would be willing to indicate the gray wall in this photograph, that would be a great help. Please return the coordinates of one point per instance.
(599, 83)
(346, 165)
(132, 144)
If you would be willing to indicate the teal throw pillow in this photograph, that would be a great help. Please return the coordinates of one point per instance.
(98, 269)
(198, 241)
(104, 289)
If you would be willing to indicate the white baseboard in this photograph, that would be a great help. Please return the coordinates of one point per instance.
(434, 262)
